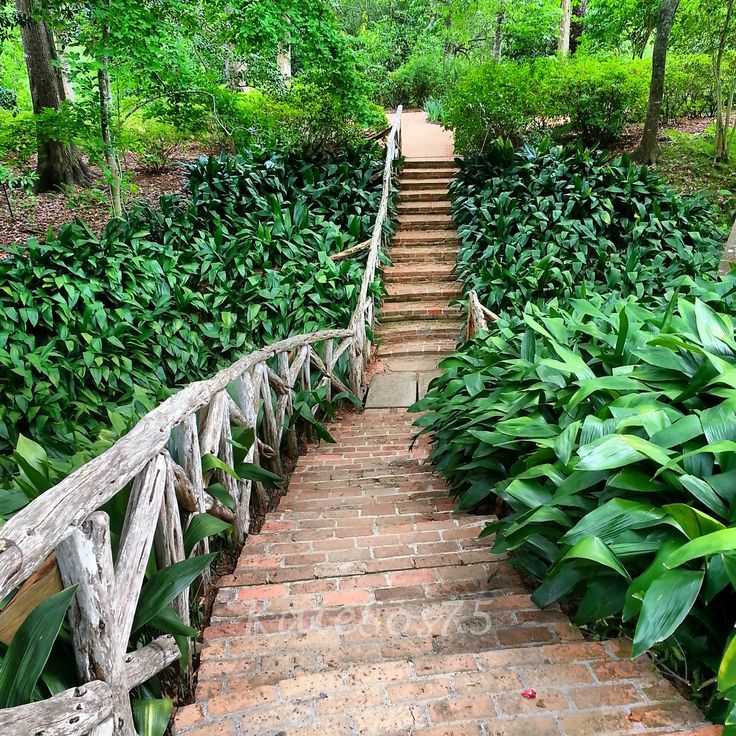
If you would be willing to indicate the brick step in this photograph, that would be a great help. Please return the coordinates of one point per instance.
(424, 238)
(425, 222)
(408, 292)
(424, 208)
(434, 347)
(411, 174)
(434, 183)
(425, 309)
(430, 163)
(424, 195)
(428, 329)
(583, 688)
(418, 273)
(420, 255)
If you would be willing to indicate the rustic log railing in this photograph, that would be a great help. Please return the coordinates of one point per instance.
(161, 457)
(478, 315)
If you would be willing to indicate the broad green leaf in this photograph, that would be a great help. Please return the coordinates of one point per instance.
(727, 668)
(166, 584)
(251, 471)
(151, 716)
(613, 518)
(595, 550)
(30, 649)
(666, 604)
(722, 541)
(201, 527)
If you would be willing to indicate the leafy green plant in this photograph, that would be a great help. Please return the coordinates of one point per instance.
(587, 224)
(435, 109)
(604, 435)
(491, 101)
(11, 181)
(170, 294)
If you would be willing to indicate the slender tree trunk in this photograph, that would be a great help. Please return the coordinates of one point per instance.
(58, 163)
(563, 45)
(647, 151)
(498, 37)
(114, 171)
(722, 117)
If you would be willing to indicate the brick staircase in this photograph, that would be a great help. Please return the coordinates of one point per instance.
(417, 324)
(368, 607)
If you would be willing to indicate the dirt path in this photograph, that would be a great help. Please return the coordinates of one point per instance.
(422, 139)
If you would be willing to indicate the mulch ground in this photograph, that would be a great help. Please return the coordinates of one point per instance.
(36, 213)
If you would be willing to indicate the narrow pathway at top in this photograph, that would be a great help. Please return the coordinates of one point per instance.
(367, 606)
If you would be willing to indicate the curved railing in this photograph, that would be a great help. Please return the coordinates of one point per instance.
(162, 456)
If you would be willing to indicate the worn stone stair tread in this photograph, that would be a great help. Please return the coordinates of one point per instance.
(397, 389)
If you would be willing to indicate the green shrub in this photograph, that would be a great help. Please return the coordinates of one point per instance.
(17, 136)
(168, 295)
(552, 221)
(601, 97)
(155, 143)
(491, 101)
(422, 76)
(607, 431)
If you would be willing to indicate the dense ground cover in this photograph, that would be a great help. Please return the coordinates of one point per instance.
(596, 416)
(168, 294)
(587, 223)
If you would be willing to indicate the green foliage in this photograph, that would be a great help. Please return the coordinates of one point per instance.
(17, 136)
(491, 101)
(28, 653)
(592, 98)
(607, 431)
(168, 295)
(422, 76)
(435, 110)
(155, 143)
(587, 224)
(600, 97)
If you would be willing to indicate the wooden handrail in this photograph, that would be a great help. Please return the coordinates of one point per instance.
(161, 457)
(478, 315)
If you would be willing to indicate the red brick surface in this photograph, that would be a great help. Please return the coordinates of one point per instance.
(367, 606)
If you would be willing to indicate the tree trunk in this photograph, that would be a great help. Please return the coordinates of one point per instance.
(563, 45)
(498, 37)
(723, 118)
(647, 151)
(58, 163)
(576, 32)
(114, 171)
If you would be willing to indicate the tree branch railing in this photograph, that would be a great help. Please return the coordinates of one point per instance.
(478, 315)
(161, 460)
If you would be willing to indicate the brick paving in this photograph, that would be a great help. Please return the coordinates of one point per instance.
(368, 607)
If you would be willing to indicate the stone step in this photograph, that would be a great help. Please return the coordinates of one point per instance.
(430, 163)
(428, 329)
(424, 195)
(424, 208)
(425, 237)
(420, 347)
(425, 309)
(418, 273)
(582, 689)
(434, 183)
(408, 292)
(406, 256)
